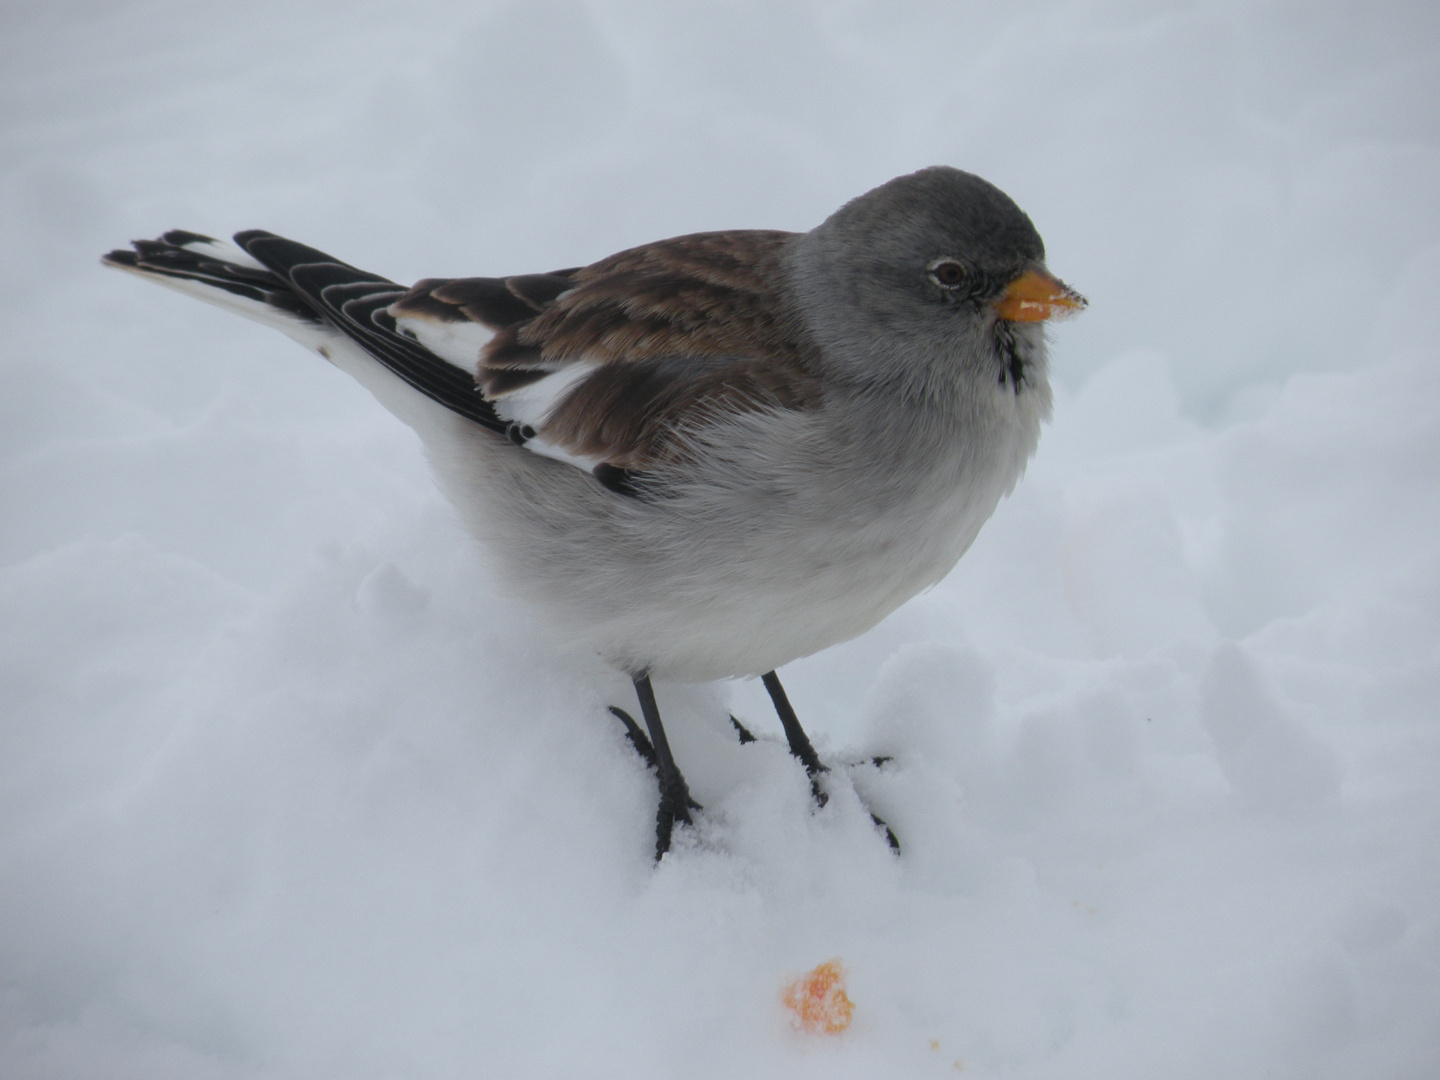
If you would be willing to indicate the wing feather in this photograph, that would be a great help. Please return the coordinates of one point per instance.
(618, 362)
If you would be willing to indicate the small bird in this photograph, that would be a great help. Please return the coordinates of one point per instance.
(706, 456)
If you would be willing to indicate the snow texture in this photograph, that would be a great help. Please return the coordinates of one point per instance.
(286, 791)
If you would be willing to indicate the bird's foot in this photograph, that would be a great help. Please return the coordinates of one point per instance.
(817, 789)
(878, 761)
(821, 798)
(676, 801)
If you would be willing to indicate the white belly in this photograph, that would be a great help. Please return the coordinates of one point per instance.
(766, 558)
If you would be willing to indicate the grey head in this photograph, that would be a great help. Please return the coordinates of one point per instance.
(914, 285)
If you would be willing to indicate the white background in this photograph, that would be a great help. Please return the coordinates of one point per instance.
(287, 791)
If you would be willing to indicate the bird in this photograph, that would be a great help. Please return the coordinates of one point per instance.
(707, 456)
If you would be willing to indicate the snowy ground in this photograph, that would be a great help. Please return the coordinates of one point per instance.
(285, 791)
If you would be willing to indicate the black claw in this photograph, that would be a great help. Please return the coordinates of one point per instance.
(889, 832)
(819, 794)
(741, 730)
(664, 825)
(879, 761)
(675, 806)
(635, 735)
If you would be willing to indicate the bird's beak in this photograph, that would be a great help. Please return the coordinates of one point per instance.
(1036, 296)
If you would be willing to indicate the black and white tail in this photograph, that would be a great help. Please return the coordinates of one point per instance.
(326, 305)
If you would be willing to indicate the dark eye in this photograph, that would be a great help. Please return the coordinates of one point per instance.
(947, 273)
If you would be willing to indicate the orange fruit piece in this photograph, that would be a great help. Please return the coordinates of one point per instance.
(819, 1001)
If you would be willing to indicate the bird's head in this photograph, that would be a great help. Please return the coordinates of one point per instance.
(938, 270)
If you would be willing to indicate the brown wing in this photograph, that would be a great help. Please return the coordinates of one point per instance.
(640, 347)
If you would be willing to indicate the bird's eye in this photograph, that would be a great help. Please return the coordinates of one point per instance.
(947, 273)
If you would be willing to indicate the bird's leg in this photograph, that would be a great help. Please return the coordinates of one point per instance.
(800, 744)
(801, 747)
(675, 800)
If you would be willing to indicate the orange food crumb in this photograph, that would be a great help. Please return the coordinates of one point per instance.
(818, 1000)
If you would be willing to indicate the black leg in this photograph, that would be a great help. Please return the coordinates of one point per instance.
(794, 734)
(802, 748)
(675, 800)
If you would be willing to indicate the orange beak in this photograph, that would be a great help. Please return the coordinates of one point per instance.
(1036, 296)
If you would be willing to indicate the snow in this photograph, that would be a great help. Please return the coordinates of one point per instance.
(287, 790)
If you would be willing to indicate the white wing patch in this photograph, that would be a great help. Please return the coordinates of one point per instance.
(531, 406)
(460, 343)
(534, 403)
(457, 343)
(539, 446)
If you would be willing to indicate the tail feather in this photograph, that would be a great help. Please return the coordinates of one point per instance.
(181, 256)
(310, 296)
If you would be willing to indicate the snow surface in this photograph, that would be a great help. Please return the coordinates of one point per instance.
(286, 791)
